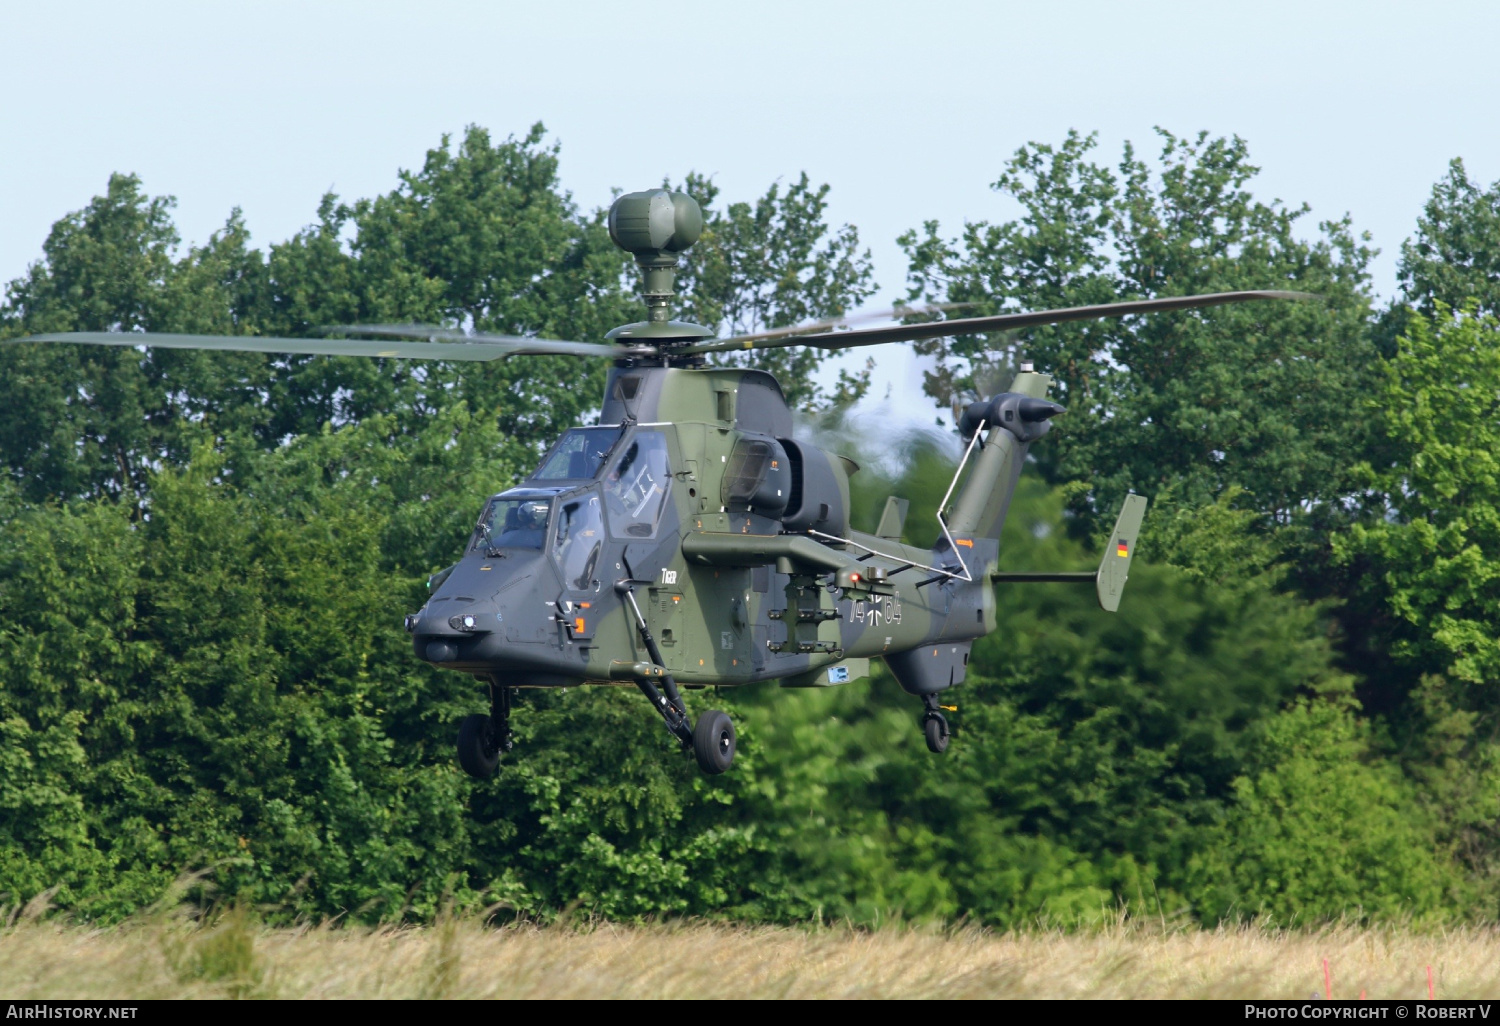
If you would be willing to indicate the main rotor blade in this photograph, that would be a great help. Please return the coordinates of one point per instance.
(998, 322)
(470, 352)
(738, 341)
(521, 345)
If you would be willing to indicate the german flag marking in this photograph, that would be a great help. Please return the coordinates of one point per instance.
(1122, 549)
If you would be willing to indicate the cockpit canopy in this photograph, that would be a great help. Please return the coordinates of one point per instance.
(634, 492)
(516, 519)
(579, 454)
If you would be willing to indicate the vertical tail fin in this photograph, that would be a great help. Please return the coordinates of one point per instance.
(1114, 568)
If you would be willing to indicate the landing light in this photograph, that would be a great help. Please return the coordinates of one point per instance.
(464, 622)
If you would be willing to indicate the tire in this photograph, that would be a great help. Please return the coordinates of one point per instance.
(713, 741)
(936, 729)
(476, 753)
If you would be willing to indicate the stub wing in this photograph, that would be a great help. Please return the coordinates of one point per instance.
(1114, 569)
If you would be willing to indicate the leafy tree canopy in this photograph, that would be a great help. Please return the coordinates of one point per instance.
(482, 236)
(1257, 396)
(776, 263)
(1433, 560)
(1455, 256)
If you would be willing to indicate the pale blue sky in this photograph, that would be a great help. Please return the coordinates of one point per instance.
(907, 109)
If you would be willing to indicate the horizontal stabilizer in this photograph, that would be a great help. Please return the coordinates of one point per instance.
(1114, 568)
(1045, 577)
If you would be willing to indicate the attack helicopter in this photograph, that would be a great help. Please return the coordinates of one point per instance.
(688, 540)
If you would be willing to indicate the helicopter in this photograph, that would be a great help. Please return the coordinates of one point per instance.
(688, 540)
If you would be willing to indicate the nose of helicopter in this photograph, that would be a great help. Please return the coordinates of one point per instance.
(441, 651)
(440, 631)
(466, 617)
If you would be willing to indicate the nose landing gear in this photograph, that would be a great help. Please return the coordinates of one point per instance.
(482, 739)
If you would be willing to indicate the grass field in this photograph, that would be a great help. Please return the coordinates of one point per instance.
(463, 959)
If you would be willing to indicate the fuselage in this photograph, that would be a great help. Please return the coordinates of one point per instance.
(538, 598)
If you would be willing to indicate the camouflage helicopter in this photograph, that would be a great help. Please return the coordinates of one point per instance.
(687, 540)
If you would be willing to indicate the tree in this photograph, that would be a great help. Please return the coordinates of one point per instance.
(1322, 832)
(481, 237)
(1259, 395)
(86, 421)
(774, 264)
(1455, 256)
(1432, 559)
(1422, 573)
(1096, 753)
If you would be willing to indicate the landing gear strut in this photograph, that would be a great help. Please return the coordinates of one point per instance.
(712, 739)
(935, 725)
(482, 739)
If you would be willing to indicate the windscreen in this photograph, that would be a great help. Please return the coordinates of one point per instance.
(512, 523)
(578, 455)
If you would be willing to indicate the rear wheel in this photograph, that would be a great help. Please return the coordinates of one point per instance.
(713, 741)
(935, 727)
(477, 753)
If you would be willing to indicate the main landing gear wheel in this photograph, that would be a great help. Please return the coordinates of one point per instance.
(713, 741)
(478, 753)
(935, 727)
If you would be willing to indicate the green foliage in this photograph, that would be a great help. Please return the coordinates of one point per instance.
(1423, 572)
(93, 420)
(1321, 831)
(1433, 560)
(773, 264)
(1217, 543)
(1455, 257)
(1260, 396)
(482, 237)
(1096, 755)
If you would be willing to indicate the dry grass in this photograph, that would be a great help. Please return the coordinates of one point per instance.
(463, 959)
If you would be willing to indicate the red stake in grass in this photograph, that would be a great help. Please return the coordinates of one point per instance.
(1430, 995)
(1327, 982)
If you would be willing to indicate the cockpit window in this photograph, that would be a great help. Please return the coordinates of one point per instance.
(578, 455)
(512, 523)
(580, 539)
(636, 486)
